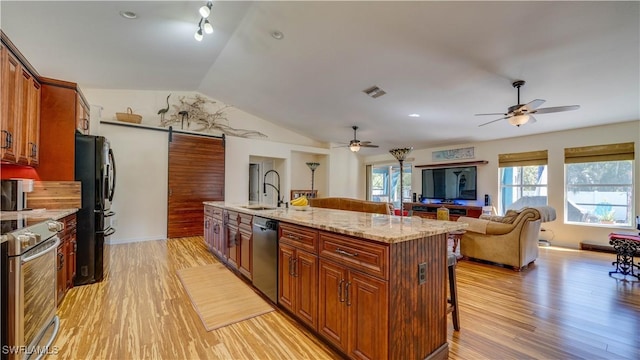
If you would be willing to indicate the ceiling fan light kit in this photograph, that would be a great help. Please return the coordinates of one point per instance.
(355, 144)
(521, 114)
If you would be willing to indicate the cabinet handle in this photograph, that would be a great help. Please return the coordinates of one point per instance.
(295, 267)
(216, 228)
(290, 267)
(346, 290)
(7, 139)
(340, 251)
(33, 149)
(206, 224)
(294, 237)
(85, 124)
(340, 290)
(60, 261)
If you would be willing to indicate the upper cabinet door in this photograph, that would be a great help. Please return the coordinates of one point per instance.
(29, 124)
(82, 115)
(10, 114)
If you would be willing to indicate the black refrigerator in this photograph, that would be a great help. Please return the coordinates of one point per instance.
(95, 168)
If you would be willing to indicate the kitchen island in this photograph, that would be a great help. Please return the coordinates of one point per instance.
(372, 285)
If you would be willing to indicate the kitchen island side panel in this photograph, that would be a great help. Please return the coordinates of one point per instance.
(418, 312)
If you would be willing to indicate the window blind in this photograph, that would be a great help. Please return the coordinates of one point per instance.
(529, 158)
(609, 152)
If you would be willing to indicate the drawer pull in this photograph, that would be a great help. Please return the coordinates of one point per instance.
(294, 237)
(342, 252)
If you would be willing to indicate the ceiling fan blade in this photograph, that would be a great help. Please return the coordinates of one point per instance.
(532, 105)
(531, 120)
(368, 145)
(492, 121)
(493, 114)
(364, 143)
(556, 109)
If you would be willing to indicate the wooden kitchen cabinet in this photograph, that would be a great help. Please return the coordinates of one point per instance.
(298, 283)
(66, 261)
(240, 242)
(20, 114)
(298, 272)
(233, 239)
(10, 114)
(82, 115)
(245, 245)
(62, 105)
(29, 129)
(215, 231)
(352, 306)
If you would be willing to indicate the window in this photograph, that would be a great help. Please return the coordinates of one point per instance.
(384, 183)
(599, 184)
(523, 180)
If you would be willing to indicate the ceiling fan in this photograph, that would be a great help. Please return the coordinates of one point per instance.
(355, 144)
(523, 114)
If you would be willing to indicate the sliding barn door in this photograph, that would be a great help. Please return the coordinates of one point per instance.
(196, 174)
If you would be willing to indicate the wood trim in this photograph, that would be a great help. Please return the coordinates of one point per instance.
(63, 84)
(454, 164)
(14, 50)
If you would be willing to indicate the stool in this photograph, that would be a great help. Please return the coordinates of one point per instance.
(453, 291)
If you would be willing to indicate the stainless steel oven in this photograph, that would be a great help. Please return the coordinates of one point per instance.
(32, 320)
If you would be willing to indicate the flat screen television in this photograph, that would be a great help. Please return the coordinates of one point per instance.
(453, 183)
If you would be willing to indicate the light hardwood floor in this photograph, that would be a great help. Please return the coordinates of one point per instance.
(565, 306)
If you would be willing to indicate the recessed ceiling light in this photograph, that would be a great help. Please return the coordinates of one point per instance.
(414, 115)
(128, 14)
(278, 35)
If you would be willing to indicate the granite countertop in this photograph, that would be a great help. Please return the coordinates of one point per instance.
(36, 215)
(381, 228)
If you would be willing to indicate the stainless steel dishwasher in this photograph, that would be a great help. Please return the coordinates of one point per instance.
(265, 256)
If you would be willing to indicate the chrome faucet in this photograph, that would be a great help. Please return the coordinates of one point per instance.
(280, 200)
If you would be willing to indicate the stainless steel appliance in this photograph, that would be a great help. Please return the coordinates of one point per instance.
(32, 323)
(13, 194)
(265, 256)
(95, 168)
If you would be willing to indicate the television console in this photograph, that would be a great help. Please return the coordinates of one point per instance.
(430, 211)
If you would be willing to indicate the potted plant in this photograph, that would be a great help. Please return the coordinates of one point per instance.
(608, 217)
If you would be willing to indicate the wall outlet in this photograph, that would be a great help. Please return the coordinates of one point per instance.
(422, 273)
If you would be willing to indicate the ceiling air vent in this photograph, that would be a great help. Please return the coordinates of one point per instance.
(374, 92)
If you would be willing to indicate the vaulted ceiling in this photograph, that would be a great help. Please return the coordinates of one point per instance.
(443, 60)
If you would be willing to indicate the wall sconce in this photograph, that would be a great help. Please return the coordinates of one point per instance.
(204, 25)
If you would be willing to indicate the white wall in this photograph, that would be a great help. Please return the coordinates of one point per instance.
(559, 233)
(141, 154)
(140, 198)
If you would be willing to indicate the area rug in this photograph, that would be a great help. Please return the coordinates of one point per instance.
(219, 297)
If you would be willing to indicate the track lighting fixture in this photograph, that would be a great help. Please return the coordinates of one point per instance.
(204, 24)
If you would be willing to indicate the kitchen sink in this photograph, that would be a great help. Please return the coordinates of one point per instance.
(259, 207)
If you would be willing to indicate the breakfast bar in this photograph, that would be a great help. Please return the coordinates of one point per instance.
(372, 285)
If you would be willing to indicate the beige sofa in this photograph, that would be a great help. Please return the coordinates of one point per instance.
(510, 240)
(342, 203)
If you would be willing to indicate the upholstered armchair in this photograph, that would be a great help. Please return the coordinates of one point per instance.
(510, 240)
(342, 203)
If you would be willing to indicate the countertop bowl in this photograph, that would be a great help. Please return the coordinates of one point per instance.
(300, 208)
